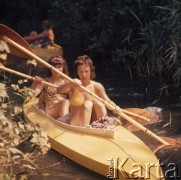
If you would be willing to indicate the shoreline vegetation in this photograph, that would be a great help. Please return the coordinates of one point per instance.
(21, 144)
(142, 37)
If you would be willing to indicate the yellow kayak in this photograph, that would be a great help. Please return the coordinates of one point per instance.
(47, 52)
(114, 153)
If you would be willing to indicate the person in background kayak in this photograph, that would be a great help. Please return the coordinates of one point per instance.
(83, 106)
(53, 103)
(44, 38)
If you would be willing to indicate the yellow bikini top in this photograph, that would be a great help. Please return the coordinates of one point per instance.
(77, 98)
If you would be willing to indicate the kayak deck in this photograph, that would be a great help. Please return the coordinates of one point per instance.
(47, 52)
(120, 156)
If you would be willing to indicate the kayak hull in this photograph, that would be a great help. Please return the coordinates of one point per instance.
(120, 155)
(47, 52)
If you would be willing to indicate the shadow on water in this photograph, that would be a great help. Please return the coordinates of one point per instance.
(125, 92)
(56, 167)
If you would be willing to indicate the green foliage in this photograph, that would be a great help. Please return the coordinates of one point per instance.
(23, 16)
(21, 144)
(143, 36)
(93, 27)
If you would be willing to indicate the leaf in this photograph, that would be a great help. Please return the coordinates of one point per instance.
(4, 105)
(28, 166)
(170, 119)
(16, 141)
(34, 138)
(17, 110)
(15, 151)
(3, 91)
(29, 127)
(32, 62)
(23, 177)
(136, 17)
(44, 150)
(15, 87)
(166, 125)
(2, 145)
(16, 130)
(20, 81)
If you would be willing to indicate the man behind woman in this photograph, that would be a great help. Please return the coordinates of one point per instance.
(42, 39)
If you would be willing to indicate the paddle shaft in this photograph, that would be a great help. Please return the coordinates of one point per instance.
(26, 76)
(121, 113)
(52, 85)
(65, 76)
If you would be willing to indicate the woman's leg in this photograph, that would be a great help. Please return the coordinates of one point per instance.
(52, 111)
(99, 109)
(41, 102)
(64, 107)
(58, 109)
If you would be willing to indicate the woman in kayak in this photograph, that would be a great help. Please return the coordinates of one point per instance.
(42, 39)
(83, 106)
(53, 103)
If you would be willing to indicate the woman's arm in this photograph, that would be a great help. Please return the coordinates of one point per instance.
(38, 36)
(69, 86)
(37, 86)
(64, 88)
(100, 91)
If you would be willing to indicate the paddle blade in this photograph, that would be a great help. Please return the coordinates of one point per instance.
(153, 118)
(163, 150)
(6, 31)
(173, 143)
(156, 146)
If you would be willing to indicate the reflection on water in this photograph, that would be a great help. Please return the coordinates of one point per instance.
(56, 167)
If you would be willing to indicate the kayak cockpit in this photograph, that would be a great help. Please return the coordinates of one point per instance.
(107, 133)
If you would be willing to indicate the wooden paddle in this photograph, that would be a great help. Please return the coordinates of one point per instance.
(140, 114)
(155, 146)
(25, 76)
(121, 112)
(6, 31)
(171, 141)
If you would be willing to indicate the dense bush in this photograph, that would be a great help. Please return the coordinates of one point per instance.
(143, 36)
(21, 144)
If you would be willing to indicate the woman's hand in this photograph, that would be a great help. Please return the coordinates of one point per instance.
(77, 82)
(38, 79)
(117, 110)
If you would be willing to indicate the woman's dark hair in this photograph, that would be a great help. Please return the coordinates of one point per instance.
(55, 60)
(47, 24)
(85, 60)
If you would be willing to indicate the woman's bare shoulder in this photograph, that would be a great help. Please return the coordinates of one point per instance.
(97, 85)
